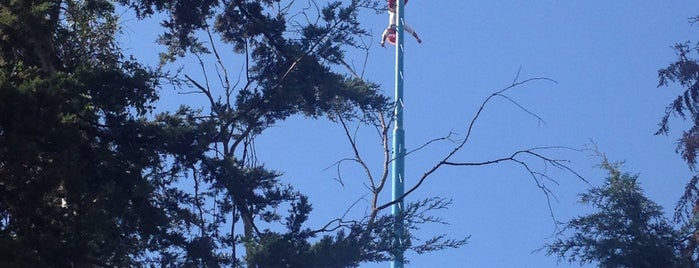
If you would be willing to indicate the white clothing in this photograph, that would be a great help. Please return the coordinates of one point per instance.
(393, 23)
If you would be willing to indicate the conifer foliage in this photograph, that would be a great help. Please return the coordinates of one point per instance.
(626, 229)
(90, 176)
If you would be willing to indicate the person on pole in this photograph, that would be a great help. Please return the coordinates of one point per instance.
(390, 32)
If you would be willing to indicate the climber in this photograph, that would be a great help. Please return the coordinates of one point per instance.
(390, 32)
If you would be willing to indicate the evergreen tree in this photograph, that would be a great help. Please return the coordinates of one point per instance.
(685, 72)
(75, 157)
(89, 177)
(291, 68)
(626, 229)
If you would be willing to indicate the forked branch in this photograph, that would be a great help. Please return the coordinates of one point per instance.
(520, 157)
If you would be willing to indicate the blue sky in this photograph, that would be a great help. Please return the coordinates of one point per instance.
(604, 56)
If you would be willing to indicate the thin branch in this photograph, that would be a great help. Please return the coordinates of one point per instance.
(338, 165)
(357, 155)
(340, 221)
(204, 90)
(446, 159)
(524, 109)
(386, 154)
(447, 137)
(225, 82)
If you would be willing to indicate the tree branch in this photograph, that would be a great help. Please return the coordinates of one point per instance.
(446, 160)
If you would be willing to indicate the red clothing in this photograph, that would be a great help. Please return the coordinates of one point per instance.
(392, 3)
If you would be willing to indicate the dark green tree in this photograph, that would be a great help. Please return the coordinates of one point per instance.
(90, 177)
(291, 55)
(76, 160)
(684, 71)
(626, 229)
(88, 180)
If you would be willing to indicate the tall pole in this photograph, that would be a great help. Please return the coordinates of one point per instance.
(398, 166)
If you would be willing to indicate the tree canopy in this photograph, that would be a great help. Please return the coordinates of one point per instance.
(90, 176)
(684, 71)
(626, 229)
(75, 158)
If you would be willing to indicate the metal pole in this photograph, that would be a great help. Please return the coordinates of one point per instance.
(398, 166)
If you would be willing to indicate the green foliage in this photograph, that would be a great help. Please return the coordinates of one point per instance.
(685, 72)
(626, 229)
(290, 72)
(74, 160)
(90, 177)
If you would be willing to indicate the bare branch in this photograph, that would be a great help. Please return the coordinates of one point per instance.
(340, 221)
(523, 109)
(338, 165)
(225, 83)
(446, 160)
(357, 155)
(447, 137)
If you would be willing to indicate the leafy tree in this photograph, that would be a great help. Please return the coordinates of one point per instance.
(626, 229)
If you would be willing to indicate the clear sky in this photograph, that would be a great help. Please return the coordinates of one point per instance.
(604, 56)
